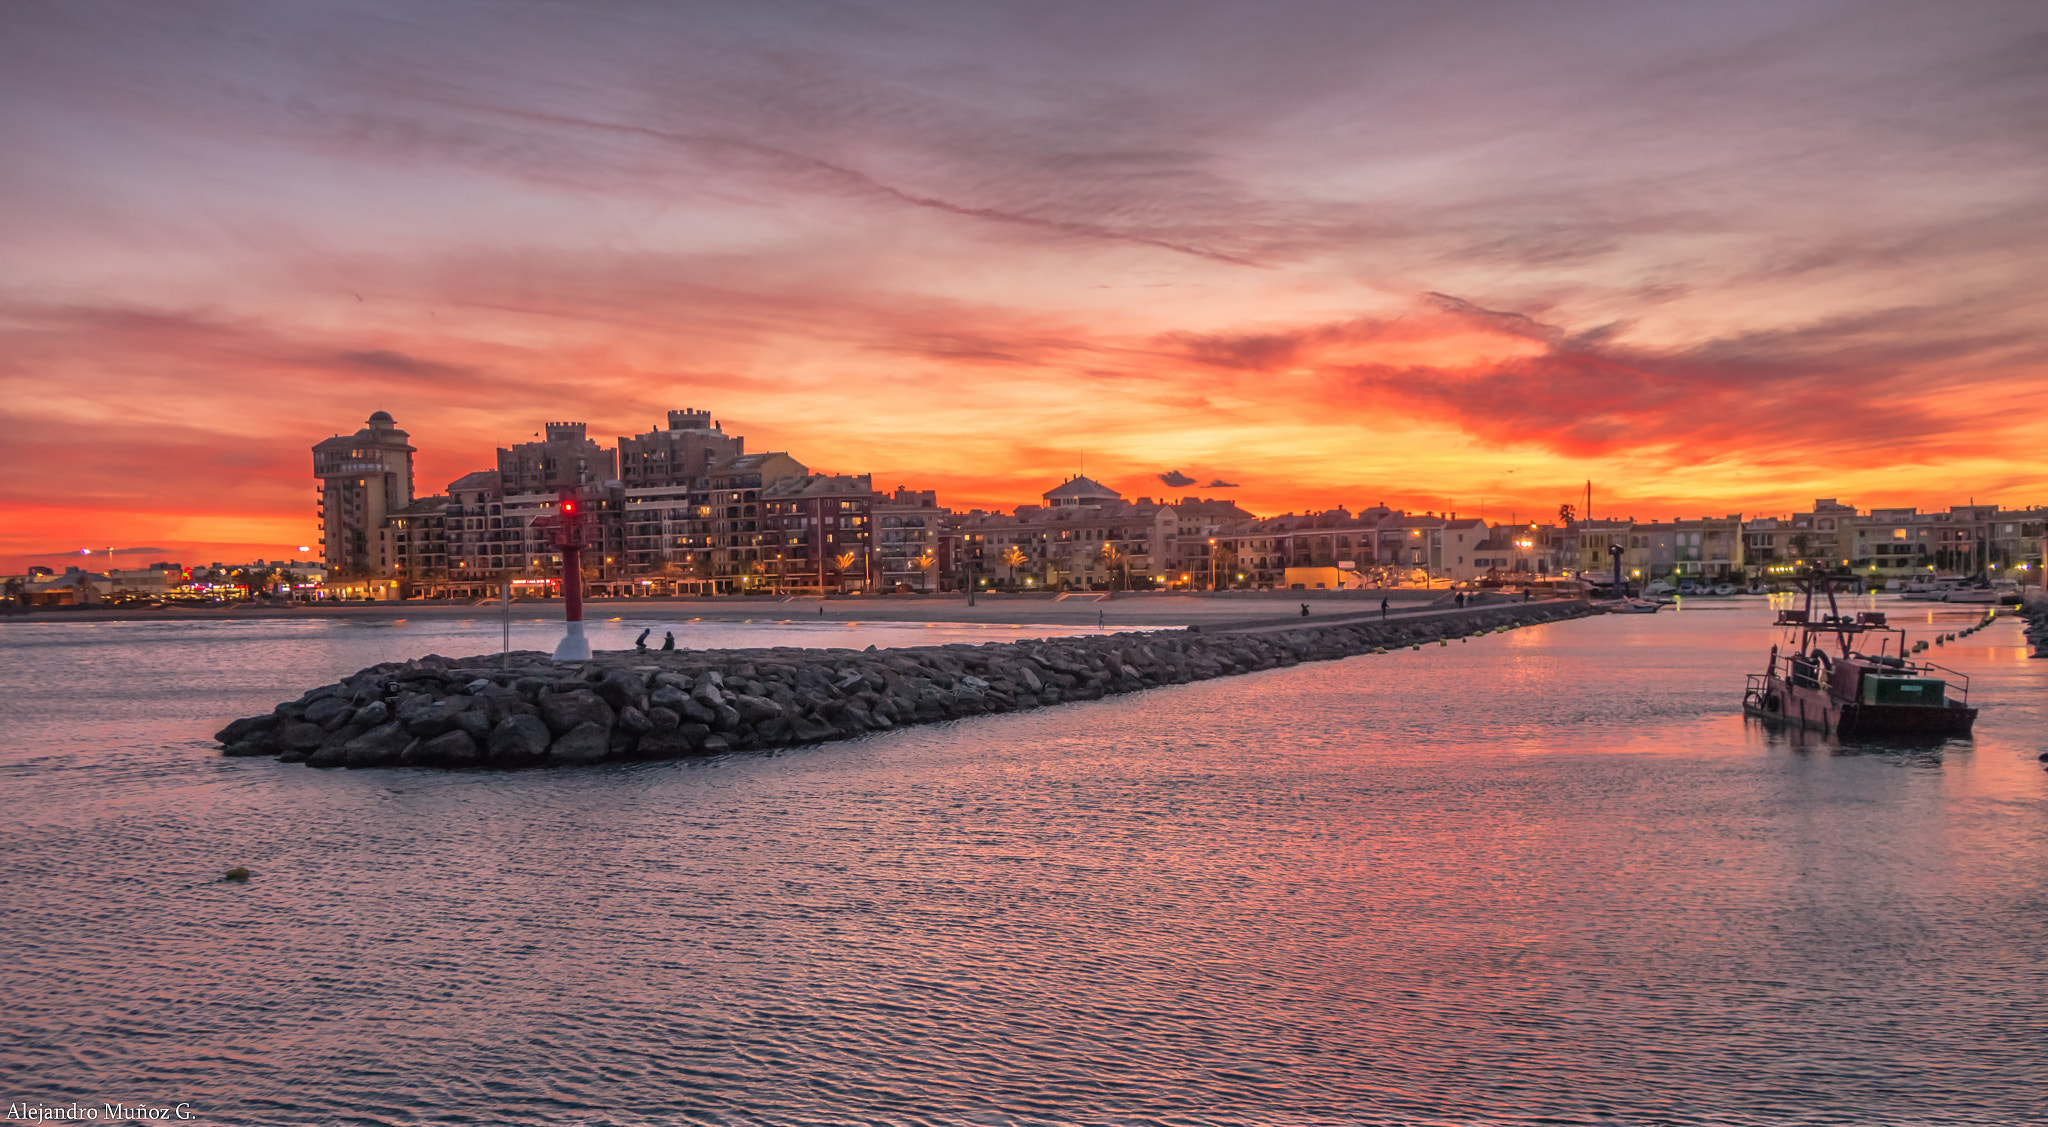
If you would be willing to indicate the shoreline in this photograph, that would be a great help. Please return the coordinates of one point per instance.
(522, 709)
(1128, 609)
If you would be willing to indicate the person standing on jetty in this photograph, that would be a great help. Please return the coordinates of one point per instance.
(1383, 608)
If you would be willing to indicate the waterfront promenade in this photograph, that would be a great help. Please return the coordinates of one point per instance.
(1140, 610)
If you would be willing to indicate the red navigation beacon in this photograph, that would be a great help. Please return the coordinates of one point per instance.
(565, 529)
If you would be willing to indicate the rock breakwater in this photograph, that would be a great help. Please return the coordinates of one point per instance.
(527, 711)
(2035, 616)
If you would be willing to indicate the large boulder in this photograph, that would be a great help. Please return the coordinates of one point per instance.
(620, 688)
(565, 712)
(329, 712)
(450, 749)
(697, 712)
(587, 742)
(300, 736)
(427, 718)
(518, 739)
(475, 721)
(669, 697)
(241, 731)
(756, 710)
(379, 747)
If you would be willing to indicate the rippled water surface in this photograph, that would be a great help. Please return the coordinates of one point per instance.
(1546, 876)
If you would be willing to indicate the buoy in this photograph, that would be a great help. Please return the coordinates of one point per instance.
(237, 873)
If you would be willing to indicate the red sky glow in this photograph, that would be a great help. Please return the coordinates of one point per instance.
(1715, 258)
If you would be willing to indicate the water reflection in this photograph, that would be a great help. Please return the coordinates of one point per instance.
(1551, 874)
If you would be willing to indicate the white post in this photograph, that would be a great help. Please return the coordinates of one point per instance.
(505, 656)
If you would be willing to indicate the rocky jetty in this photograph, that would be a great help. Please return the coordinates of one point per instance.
(488, 712)
(2036, 615)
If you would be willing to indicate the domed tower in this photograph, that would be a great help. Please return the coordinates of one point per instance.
(363, 478)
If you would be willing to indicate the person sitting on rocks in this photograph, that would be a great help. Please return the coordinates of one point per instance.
(640, 643)
(1304, 610)
(668, 640)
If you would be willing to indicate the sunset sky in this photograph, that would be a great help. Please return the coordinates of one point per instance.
(1714, 257)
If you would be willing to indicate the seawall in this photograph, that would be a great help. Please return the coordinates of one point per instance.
(477, 712)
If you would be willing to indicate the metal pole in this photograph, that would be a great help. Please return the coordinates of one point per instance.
(505, 657)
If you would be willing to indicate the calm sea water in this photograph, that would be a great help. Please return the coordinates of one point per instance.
(1548, 876)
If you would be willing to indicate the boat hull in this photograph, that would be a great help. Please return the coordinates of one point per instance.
(1779, 701)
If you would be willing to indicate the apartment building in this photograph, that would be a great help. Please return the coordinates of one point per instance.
(679, 454)
(566, 458)
(911, 546)
(364, 478)
(820, 528)
(737, 534)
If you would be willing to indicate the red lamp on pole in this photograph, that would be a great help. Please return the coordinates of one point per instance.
(565, 529)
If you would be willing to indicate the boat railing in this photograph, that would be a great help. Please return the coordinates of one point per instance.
(1757, 691)
(1953, 680)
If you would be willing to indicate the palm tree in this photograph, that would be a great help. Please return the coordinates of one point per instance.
(254, 580)
(924, 562)
(1113, 558)
(1222, 564)
(844, 561)
(1013, 558)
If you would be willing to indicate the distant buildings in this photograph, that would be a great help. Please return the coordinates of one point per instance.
(684, 509)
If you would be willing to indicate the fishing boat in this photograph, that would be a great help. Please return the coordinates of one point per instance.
(1851, 676)
(1627, 606)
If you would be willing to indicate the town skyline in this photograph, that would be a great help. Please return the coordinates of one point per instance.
(1458, 258)
(1131, 485)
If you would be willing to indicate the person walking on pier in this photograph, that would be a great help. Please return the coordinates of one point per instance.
(1383, 608)
(668, 640)
(640, 643)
